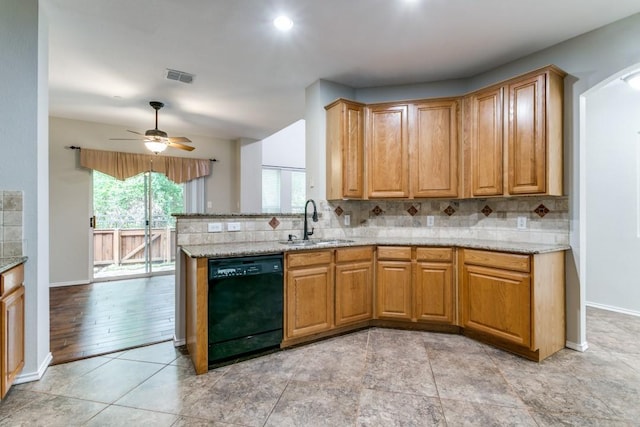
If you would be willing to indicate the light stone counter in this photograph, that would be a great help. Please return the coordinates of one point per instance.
(224, 250)
(8, 263)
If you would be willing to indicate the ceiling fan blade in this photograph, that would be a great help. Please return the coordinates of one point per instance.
(137, 133)
(181, 146)
(179, 139)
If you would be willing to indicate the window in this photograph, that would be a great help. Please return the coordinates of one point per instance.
(283, 189)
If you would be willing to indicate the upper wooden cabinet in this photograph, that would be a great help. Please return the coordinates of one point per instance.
(484, 159)
(387, 147)
(345, 150)
(433, 133)
(503, 140)
(513, 137)
(535, 133)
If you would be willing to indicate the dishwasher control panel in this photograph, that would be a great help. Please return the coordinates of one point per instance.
(244, 267)
(236, 271)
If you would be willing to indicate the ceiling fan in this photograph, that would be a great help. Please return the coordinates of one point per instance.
(157, 140)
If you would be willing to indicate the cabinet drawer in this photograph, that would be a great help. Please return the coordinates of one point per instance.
(11, 279)
(394, 252)
(308, 258)
(354, 254)
(434, 254)
(505, 261)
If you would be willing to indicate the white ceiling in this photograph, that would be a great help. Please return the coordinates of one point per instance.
(108, 58)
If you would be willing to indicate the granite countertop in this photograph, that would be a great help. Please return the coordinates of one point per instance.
(8, 263)
(258, 248)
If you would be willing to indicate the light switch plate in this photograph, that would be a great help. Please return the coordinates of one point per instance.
(430, 220)
(522, 223)
(214, 227)
(347, 219)
(233, 226)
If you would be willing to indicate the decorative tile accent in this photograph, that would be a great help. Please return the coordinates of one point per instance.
(376, 211)
(541, 210)
(486, 210)
(274, 223)
(449, 210)
(338, 211)
(412, 210)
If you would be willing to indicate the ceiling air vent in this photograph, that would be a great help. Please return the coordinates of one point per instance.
(180, 76)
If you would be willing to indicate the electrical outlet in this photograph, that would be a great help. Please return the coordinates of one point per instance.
(347, 220)
(522, 222)
(214, 227)
(209, 204)
(430, 220)
(233, 226)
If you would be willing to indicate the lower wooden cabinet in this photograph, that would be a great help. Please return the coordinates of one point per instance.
(353, 285)
(309, 293)
(11, 326)
(415, 284)
(393, 283)
(514, 301)
(434, 285)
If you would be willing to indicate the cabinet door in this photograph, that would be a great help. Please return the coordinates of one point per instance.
(345, 150)
(527, 136)
(486, 143)
(434, 149)
(393, 290)
(12, 337)
(353, 292)
(387, 151)
(309, 294)
(497, 302)
(434, 292)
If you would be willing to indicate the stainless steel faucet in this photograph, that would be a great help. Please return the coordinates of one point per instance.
(314, 217)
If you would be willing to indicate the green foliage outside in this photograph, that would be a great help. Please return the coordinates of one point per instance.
(121, 204)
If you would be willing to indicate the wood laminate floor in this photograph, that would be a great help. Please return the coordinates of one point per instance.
(103, 317)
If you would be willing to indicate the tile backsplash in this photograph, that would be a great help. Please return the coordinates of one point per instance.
(546, 218)
(10, 223)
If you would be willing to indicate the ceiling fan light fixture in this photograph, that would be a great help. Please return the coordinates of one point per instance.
(633, 80)
(155, 146)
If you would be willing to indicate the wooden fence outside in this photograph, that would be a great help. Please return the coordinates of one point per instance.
(118, 246)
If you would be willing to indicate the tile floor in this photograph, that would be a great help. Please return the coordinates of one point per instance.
(379, 377)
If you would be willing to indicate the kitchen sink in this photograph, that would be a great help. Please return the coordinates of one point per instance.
(318, 242)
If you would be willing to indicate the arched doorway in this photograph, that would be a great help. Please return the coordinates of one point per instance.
(610, 193)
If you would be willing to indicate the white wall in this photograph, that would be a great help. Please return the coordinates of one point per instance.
(612, 183)
(70, 188)
(250, 171)
(588, 59)
(285, 148)
(24, 160)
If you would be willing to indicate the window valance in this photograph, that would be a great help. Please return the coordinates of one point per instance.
(125, 165)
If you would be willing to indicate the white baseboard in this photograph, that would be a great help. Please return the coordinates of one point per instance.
(612, 308)
(27, 377)
(72, 283)
(581, 347)
(178, 342)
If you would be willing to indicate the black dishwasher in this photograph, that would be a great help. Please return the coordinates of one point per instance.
(245, 306)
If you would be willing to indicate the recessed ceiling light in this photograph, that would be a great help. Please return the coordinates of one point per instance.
(283, 23)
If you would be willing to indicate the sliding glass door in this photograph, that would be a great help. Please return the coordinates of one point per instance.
(133, 230)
